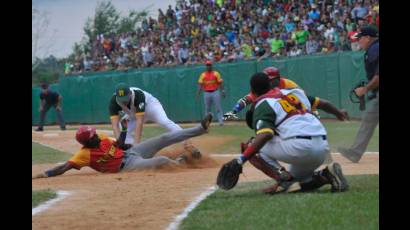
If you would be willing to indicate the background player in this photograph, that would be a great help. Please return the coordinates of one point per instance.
(210, 81)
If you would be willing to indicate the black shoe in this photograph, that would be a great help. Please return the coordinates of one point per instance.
(39, 129)
(206, 122)
(63, 128)
(336, 177)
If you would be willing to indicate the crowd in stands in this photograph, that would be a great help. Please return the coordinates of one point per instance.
(231, 30)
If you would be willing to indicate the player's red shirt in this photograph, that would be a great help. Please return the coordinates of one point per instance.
(210, 80)
(106, 158)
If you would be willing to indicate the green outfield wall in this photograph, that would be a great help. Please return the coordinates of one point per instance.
(86, 97)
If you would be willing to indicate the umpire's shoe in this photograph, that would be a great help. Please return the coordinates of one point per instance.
(336, 177)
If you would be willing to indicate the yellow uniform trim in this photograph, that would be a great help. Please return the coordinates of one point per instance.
(289, 84)
(115, 117)
(140, 114)
(265, 130)
(315, 103)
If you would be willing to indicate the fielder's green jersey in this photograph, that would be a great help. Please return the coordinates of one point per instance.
(139, 103)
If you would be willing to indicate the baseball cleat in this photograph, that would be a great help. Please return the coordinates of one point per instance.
(39, 129)
(348, 154)
(206, 122)
(283, 187)
(195, 153)
(337, 179)
(181, 159)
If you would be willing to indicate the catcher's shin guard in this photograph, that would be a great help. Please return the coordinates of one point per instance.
(277, 173)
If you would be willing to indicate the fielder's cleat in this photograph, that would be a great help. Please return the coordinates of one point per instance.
(206, 122)
(181, 159)
(195, 153)
(283, 187)
(63, 128)
(336, 177)
(39, 129)
(350, 155)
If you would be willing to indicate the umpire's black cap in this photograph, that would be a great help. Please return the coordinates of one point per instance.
(368, 31)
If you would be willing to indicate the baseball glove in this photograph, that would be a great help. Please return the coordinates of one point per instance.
(228, 175)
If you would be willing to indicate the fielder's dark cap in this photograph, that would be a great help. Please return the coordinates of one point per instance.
(368, 31)
(122, 91)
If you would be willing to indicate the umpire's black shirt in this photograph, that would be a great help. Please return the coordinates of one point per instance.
(51, 97)
(371, 60)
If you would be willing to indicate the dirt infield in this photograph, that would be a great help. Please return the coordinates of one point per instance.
(140, 200)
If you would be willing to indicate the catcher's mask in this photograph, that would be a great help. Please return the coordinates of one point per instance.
(87, 136)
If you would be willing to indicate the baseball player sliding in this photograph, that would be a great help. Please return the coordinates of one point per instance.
(285, 131)
(137, 107)
(106, 155)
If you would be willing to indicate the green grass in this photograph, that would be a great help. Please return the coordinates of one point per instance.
(246, 207)
(41, 196)
(42, 154)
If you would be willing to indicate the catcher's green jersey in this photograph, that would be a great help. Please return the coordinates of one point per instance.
(139, 103)
(271, 115)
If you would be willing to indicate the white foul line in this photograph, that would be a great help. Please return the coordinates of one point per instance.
(178, 219)
(60, 195)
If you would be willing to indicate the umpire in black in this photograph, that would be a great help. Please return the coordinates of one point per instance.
(369, 41)
(49, 99)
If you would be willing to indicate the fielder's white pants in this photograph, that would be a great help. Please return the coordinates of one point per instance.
(303, 155)
(153, 112)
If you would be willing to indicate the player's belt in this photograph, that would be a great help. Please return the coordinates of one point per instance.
(309, 137)
(210, 91)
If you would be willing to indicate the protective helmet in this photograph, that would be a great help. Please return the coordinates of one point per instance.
(272, 72)
(85, 133)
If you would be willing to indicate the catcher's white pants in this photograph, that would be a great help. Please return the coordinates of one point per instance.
(303, 155)
(153, 112)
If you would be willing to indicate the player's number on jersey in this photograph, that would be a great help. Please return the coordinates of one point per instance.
(289, 107)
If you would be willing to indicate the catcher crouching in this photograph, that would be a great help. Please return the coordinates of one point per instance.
(286, 131)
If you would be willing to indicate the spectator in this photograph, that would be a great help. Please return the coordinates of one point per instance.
(183, 54)
(246, 25)
(120, 61)
(359, 11)
(354, 41)
(301, 35)
(311, 45)
(276, 44)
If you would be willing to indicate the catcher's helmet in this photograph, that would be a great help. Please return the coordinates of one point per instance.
(272, 72)
(84, 134)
